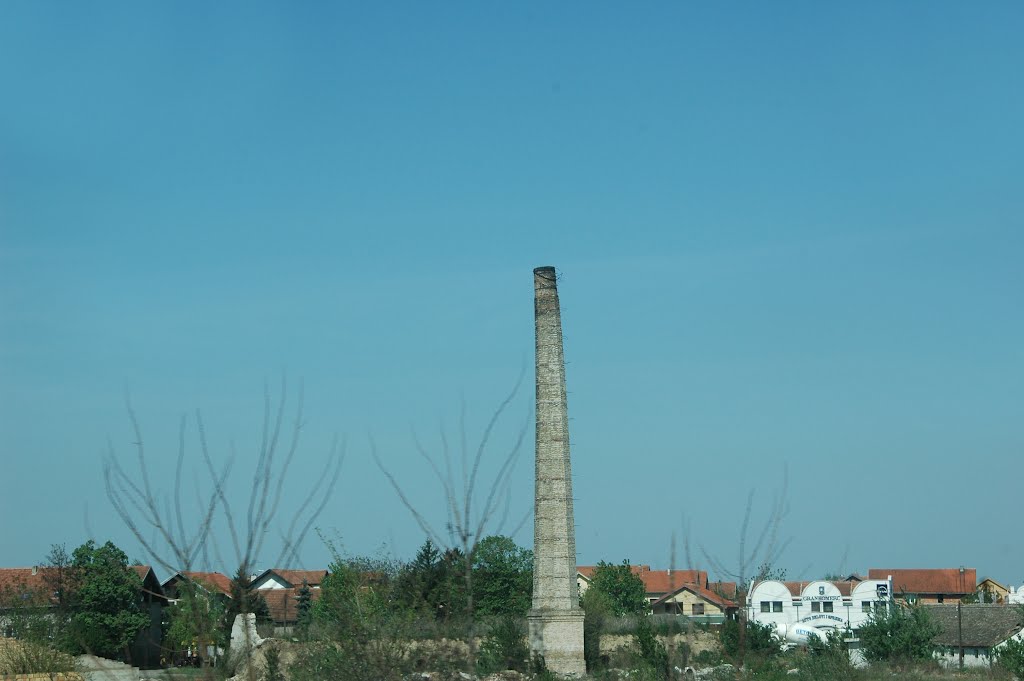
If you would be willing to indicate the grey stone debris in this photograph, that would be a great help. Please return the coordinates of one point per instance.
(93, 668)
(243, 634)
(556, 619)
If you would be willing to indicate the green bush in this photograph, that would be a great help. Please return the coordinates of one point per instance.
(708, 658)
(828, 660)
(1011, 657)
(652, 653)
(25, 657)
(374, 661)
(504, 648)
(759, 639)
(272, 665)
(899, 635)
(596, 610)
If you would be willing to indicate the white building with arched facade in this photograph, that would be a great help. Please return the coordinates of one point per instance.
(819, 604)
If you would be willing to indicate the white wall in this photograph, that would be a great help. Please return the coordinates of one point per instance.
(819, 604)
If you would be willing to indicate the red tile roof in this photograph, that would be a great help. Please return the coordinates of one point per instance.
(929, 580)
(296, 577)
(797, 588)
(656, 582)
(214, 581)
(284, 603)
(588, 570)
(706, 594)
(726, 589)
(23, 583)
(151, 586)
(32, 582)
(663, 581)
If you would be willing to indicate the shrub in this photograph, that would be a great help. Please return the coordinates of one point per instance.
(759, 639)
(1011, 657)
(899, 635)
(652, 653)
(272, 661)
(596, 610)
(708, 658)
(828, 660)
(25, 657)
(504, 648)
(318, 661)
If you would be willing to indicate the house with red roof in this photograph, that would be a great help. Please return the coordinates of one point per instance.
(929, 585)
(696, 602)
(585, 575)
(279, 578)
(211, 582)
(40, 588)
(280, 588)
(659, 584)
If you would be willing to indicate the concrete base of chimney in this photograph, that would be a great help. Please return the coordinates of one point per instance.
(557, 636)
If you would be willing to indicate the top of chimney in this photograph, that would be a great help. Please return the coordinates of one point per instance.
(35, 570)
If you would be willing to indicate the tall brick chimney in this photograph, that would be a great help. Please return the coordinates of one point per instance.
(556, 620)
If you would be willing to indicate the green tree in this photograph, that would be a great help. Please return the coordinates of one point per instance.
(195, 620)
(304, 602)
(502, 577)
(624, 589)
(423, 580)
(899, 635)
(106, 605)
(244, 599)
(1011, 657)
(362, 626)
(597, 608)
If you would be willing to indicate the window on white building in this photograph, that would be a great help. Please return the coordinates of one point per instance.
(815, 606)
(776, 606)
(865, 606)
(697, 609)
(766, 606)
(828, 607)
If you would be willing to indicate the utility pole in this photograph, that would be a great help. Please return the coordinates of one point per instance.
(960, 620)
(960, 631)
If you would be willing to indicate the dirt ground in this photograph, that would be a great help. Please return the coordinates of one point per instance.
(698, 641)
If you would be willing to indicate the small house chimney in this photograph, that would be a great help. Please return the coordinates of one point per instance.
(35, 570)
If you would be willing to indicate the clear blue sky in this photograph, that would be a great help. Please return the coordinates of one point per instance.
(790, 234)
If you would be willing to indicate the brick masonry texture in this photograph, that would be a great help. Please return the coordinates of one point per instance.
(556, 620)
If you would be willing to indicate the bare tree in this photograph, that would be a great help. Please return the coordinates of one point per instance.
(757, 557)
(176, 543)
(473, 507)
